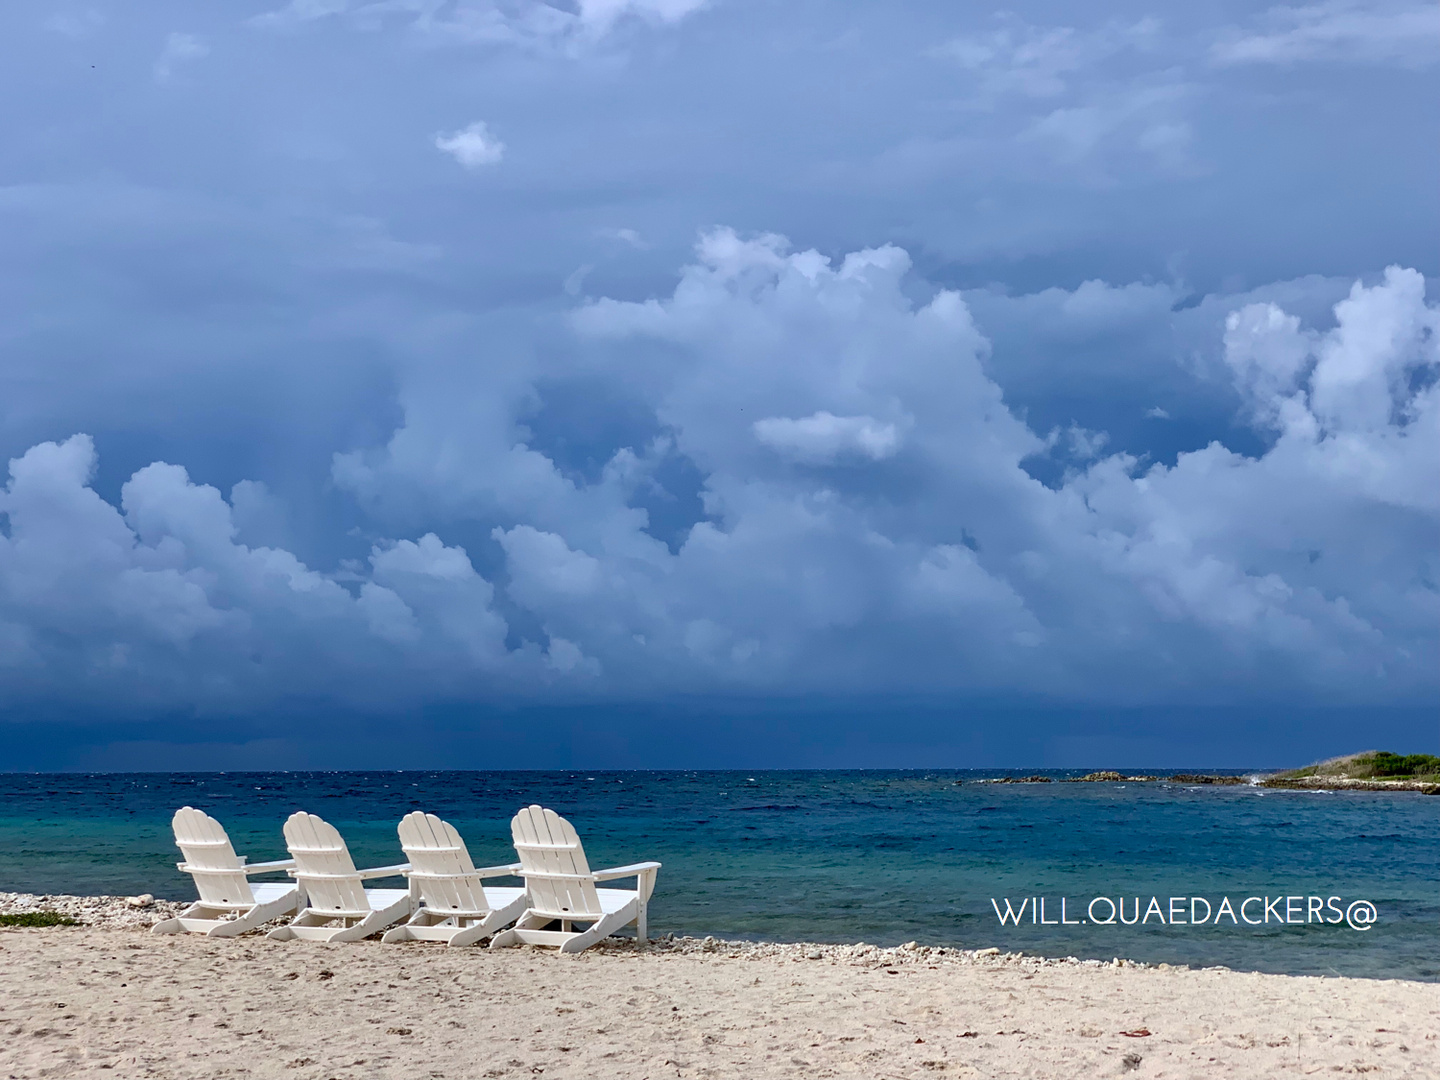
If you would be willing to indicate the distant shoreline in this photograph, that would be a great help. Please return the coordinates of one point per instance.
(1369, 770)
(1280, 781)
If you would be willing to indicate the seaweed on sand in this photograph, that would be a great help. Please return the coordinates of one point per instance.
(37, 918)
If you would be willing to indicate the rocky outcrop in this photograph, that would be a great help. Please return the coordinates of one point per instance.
(1340, 783)
(1037, 779)
(1206, 778)
(1108, 775)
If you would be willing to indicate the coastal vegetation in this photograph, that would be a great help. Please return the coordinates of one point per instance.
(36, 918)
(1370, 770)
(1370, 765)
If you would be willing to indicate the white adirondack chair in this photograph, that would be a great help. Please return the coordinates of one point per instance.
(336, 906)
(229, 904)
(561, 887)
(452, 905)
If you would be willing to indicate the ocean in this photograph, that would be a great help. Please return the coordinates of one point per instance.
(841, 856)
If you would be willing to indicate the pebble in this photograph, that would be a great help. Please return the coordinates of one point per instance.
(102, 912)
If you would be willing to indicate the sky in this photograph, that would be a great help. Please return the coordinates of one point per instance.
(685, 383)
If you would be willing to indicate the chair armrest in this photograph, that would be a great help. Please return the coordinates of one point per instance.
(385, 871)
(509, 870)
(633, 870)
(269, 867)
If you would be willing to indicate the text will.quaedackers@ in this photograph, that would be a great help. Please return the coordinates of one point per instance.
(1188, 911)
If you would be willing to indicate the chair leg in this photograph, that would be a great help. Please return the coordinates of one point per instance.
(174, 926)
(494, 921)
(602, 929)
(260, 913)
(506, 938)
(363, 929)
(287, 932)
(423, 917)
(235, 927)
(469, 935)
(375, 921)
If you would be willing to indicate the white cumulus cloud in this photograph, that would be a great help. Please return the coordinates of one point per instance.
(473, 146)
(1304, 571)
(824, 437)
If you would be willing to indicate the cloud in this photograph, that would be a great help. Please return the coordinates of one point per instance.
(764, 468)
(75, 24)
(1266, 350)
(629, 237)
(1344, 33)
(602, 14)
(1039, 62)
(1141, 119)
(301, 11)
(575, 280)
(1086, 445)
(472, 146)
(523, 22)
(1108, 98)
(1303, 570)
(824, 437)
(1290, 550)
(179, 49)
(1360, 377)
(788, 577)
(156, 601)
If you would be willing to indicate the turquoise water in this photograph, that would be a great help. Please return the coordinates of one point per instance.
(883, 857)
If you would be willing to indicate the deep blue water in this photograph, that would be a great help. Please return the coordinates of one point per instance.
(876, 856)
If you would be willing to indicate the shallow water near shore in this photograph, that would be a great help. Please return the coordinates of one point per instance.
(835, 856)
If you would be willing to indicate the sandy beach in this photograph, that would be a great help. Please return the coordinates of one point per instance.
(115, 1001)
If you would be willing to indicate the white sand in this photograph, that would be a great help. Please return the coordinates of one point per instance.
(123, 1003)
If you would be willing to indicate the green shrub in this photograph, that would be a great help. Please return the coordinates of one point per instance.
(1370, 765)
(37, 918)
(1384, 763)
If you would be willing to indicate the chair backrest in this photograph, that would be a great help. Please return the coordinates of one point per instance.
(553, 864)
(218, 872)
(323, 866)
(440, 865)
